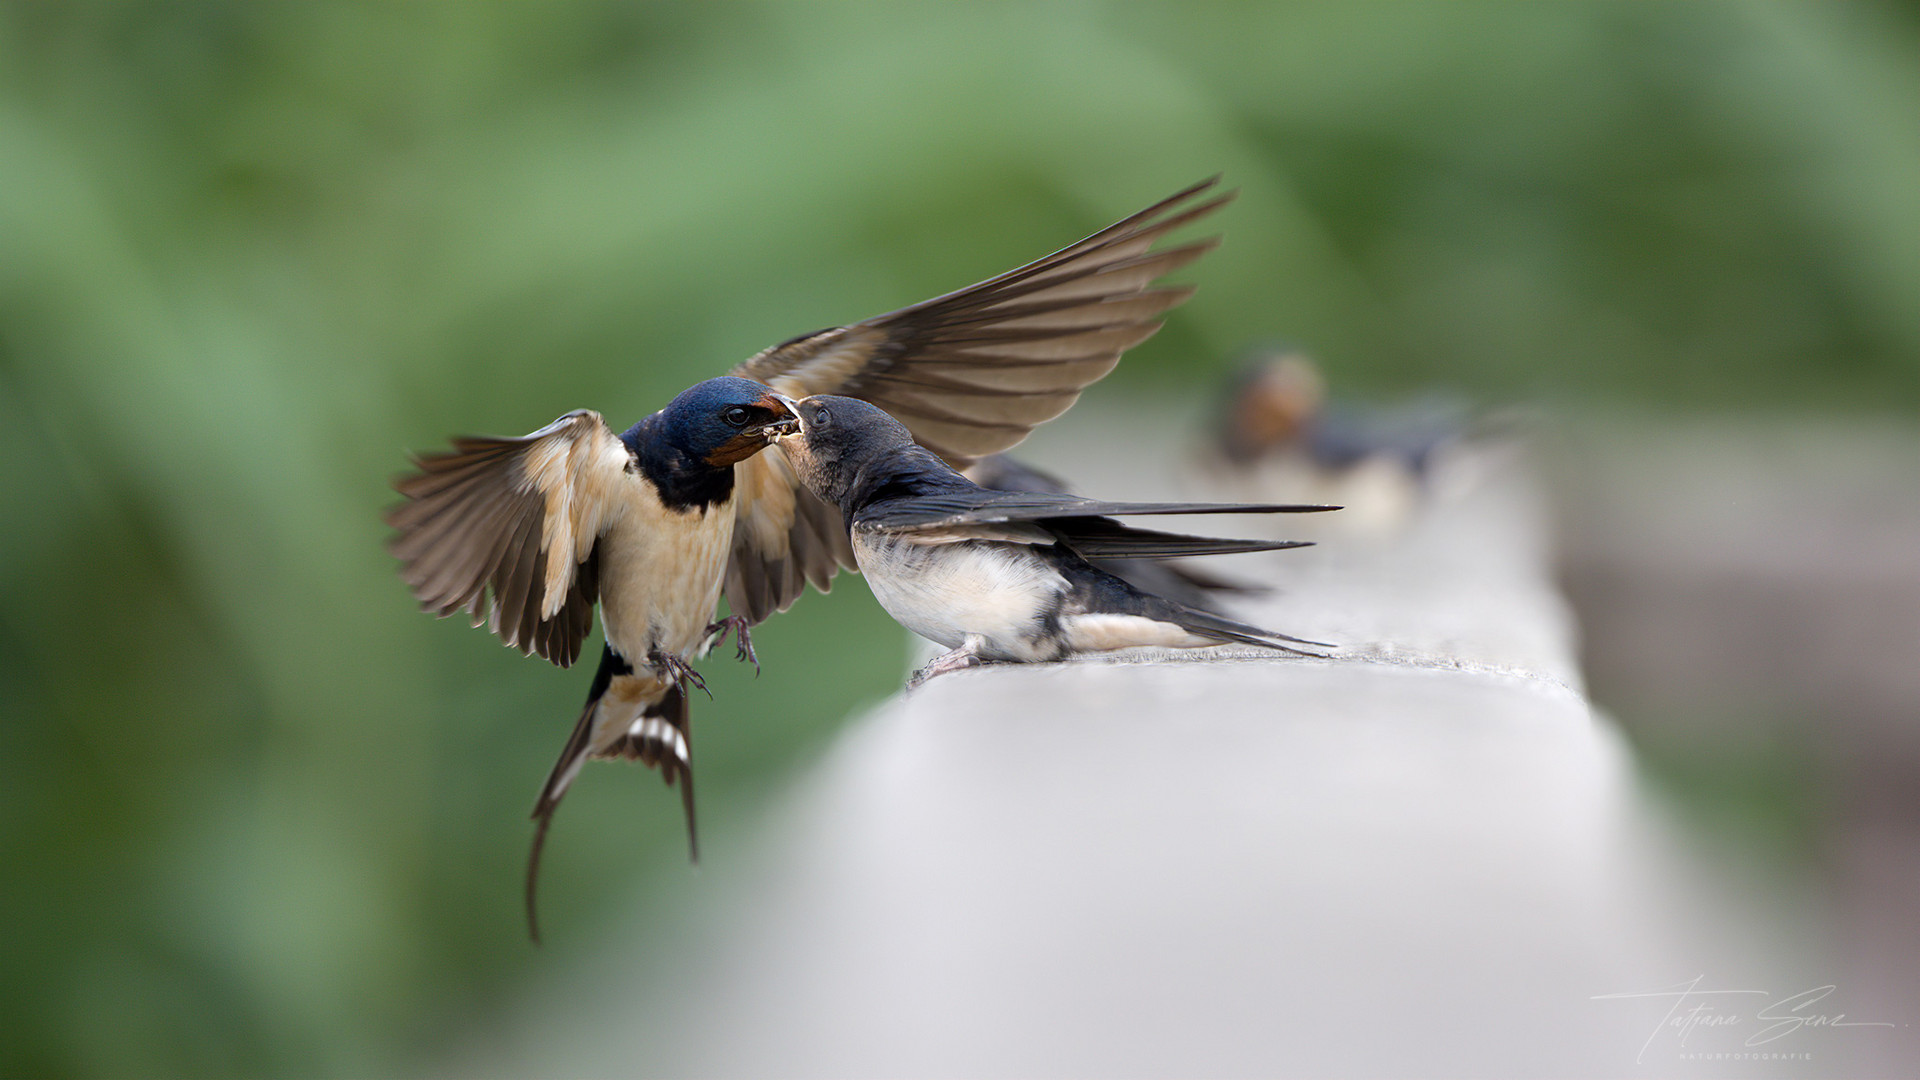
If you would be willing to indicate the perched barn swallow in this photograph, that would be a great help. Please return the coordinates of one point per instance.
(1163, 577)
(526, 535)
(1003, 575)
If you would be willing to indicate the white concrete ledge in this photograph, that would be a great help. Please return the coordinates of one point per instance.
(1422, 857)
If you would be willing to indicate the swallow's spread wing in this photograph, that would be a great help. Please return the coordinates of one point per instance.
(783, 537)
(969, 373)
(517, 519)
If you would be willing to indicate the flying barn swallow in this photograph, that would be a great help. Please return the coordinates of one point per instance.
(642, 522)
(526, 535)
(1003, 575)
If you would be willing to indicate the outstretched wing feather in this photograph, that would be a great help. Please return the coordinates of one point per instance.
(503, 529)
(970, 373)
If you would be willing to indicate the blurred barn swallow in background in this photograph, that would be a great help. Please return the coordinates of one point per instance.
(1277, 404)
(1003, 575)
(1278, 429)
(527, 534)
(1163, 577)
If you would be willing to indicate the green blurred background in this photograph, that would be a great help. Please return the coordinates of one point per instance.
(262, 817)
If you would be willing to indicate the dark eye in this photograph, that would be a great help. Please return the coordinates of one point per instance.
(737, 415)
(821, 417)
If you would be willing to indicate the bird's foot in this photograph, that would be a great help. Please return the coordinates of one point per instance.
(960, 659)
(716, 636)
(677, 670)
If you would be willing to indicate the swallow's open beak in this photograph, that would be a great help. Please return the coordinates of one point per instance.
(786, 429)
(785, 426)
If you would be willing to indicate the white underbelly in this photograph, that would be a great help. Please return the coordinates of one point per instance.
(946, 592)
(660, 578)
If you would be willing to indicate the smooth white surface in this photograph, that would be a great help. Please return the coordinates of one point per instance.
(1426, 856)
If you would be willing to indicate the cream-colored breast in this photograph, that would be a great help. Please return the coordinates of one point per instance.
(944, 592)
(660, 573)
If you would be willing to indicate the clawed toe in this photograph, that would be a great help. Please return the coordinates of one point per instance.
(716, 634)
(958, 660)
(678, 670)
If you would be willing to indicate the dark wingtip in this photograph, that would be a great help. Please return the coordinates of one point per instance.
(1301, 641)
(1191, 190)
(1204, 187)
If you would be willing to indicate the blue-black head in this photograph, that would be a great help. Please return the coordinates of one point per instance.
(688, 449)
(718, 422)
